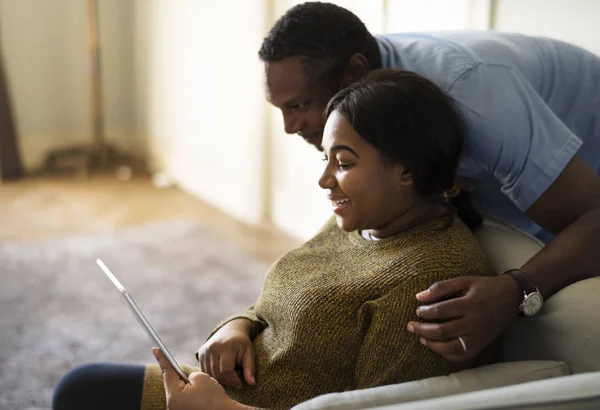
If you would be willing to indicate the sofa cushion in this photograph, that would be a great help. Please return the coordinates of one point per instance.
(485, 377)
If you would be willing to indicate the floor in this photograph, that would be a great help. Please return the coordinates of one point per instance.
(47, 206)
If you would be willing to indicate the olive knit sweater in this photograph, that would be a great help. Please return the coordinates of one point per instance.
(332, 314)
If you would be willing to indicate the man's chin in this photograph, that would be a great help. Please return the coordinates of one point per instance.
(315, 141)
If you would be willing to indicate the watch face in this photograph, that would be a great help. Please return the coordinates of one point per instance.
(532, 304)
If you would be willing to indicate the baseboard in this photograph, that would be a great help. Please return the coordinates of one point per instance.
(35, 147)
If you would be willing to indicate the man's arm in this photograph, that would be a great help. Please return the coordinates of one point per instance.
(570, 208)
(516, 137)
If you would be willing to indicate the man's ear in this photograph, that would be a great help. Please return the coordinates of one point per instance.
(357, 68)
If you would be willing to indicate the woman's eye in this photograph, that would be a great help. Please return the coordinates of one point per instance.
(341, 165)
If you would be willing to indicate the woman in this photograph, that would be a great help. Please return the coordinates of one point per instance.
(330, 314)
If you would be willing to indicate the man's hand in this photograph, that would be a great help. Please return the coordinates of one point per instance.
(203, 392)
(478, 309)
(231, 346)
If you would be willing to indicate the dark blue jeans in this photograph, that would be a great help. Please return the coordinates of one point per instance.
(99, 387)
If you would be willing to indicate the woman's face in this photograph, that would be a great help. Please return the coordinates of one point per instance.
(365, 192)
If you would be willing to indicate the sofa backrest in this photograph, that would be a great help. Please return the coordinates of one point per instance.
(506, 247)
(568, 326)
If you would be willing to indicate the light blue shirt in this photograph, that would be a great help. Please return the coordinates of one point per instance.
(530, 105)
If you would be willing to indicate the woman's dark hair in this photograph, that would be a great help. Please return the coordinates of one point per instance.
(409, 120)
(321, 32)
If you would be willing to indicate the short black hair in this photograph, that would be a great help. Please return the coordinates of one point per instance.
(322, 32)
(411, 121)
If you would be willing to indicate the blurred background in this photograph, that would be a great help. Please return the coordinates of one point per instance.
(138, 131)
(182, 88)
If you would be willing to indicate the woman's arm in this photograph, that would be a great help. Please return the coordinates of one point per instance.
(230, 346)
(389, 354)
(256, 325)
(249, 314)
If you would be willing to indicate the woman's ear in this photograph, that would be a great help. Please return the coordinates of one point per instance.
(356, 69)
(406, 178)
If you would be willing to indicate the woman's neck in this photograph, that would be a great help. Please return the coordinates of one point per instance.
(421, 211)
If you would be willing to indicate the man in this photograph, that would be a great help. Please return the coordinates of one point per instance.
(532, 110)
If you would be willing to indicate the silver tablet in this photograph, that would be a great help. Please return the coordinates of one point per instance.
(140, 317)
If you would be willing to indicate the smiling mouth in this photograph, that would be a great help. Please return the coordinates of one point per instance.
(340, 202)
(339, 207)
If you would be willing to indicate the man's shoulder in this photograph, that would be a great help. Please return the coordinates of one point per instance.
(426, 54)
(446, 56)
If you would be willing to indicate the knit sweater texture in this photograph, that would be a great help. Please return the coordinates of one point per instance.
(332, 314)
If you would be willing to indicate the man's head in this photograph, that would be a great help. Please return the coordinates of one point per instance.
(311, 53)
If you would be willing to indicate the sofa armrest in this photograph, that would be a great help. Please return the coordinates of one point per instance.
(576, 392)
(485, 377)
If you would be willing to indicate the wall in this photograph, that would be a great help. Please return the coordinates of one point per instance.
(45, 52)
(202, 81)
(574, 21)
(181, 82)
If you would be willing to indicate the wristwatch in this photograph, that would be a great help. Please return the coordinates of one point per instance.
(532, 298)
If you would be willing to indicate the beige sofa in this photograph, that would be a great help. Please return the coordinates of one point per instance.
(550, 361)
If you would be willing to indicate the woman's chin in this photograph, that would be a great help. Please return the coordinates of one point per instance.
(345, 225)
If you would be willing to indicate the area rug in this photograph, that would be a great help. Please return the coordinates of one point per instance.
(59, 310)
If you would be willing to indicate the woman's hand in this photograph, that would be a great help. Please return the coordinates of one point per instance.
(203, 392)
(229, 347)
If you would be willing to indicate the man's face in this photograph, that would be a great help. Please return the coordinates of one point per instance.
(301, 97)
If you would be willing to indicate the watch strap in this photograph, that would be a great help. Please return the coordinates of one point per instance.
(522, 280)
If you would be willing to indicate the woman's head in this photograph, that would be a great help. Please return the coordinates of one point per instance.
(393, 141)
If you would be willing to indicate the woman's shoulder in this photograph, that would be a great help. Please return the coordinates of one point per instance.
(450, 249)
(449, 233)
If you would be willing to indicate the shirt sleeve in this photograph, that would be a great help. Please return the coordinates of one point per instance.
(512, 132)
(389, 353)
